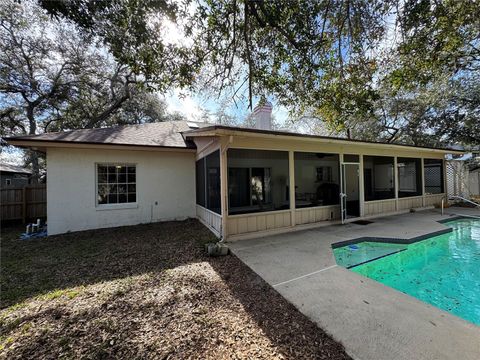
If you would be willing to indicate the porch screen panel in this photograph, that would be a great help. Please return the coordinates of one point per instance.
(257, 181)
(379, 181)
(317, 179)
(212, 175)
(433, 172)
(200, 181)
(409, 177)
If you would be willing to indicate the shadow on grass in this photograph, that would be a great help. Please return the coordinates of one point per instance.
(293, 333)
(210, 308)
(38, 266)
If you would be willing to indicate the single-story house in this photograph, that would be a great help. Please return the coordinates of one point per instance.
(240, 182)
(13, 175)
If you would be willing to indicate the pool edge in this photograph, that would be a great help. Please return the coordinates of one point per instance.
(389, 240)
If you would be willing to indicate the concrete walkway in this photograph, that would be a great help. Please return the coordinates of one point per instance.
(371, 320)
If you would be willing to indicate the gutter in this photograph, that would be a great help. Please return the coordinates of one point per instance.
(40, 145)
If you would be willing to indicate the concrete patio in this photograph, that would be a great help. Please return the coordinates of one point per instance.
(371, 320)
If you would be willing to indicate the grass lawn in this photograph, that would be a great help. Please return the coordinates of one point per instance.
(145, 291)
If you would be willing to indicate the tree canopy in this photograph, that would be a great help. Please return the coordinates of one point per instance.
(52, 78)
(354, 64)
(399, 71)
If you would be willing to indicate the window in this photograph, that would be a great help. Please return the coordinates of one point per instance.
(257, 181)
(317, 179)
(433, 172)
(409, 177)
(200, 181)
(208, 182)
(378, 176)
(116, 184)
(8, 181)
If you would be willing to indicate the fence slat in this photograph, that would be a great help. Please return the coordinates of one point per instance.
(23, 203)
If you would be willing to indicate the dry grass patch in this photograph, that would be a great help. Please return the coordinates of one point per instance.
(146, 291)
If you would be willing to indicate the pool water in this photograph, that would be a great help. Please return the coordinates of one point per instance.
(443, 270)
(355, 254)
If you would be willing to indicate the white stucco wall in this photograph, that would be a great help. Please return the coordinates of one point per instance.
(165, 188)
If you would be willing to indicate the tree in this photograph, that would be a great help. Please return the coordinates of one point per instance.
(134, 34)
(439, 38)
(334, 59)
(294, 50)
(51, 79)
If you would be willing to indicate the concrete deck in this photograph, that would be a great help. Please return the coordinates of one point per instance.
(371, 320)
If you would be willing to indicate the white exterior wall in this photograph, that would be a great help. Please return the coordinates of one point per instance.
(163, 177)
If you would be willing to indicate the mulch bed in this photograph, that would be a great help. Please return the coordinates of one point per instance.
(143, 292)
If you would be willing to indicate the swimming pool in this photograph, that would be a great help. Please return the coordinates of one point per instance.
(442, 270)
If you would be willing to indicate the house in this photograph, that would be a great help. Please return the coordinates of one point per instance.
(240, 182)
(13, 175)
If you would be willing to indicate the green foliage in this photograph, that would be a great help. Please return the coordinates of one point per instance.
(431, 87)
(375, 68)
(133, 33)
(440, 38)
(299, 51)
(52, 78)
(296, 50)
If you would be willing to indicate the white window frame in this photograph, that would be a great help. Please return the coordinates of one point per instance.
(126, 205)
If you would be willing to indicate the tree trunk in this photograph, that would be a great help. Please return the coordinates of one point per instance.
(32, 156)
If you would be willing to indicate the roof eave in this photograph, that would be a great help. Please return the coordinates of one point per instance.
(225, 131)
(42, 145)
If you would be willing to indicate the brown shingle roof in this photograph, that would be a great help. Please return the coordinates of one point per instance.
(163, 134)
(14, 169)
(172, 134)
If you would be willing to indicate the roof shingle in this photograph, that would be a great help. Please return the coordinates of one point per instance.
(163, 134)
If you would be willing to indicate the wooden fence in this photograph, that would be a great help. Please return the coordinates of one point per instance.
(23, 203)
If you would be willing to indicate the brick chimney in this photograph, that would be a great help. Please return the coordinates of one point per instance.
(262, 115)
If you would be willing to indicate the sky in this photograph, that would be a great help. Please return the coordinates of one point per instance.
(194, 107)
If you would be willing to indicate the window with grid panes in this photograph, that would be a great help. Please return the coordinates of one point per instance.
(116, 184)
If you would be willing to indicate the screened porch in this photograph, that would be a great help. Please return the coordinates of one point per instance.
(246, 190)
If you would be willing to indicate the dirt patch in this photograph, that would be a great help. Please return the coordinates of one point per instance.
(146, 291)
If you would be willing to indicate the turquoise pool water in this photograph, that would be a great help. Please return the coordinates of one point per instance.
(352, 255)
(443, 270)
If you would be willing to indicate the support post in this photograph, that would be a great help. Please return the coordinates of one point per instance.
(445, 180)
(395, 175)
(224, 187)
(361, 190)
(340, 195)
(422, 167)
(291, 186)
